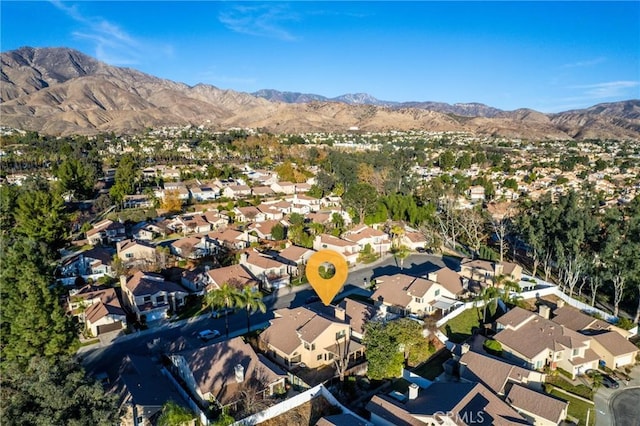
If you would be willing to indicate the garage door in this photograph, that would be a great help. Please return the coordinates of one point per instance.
(109, 327)
(624, 360)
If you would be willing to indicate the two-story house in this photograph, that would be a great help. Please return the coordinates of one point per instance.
(404, 294)
(98, 307)
(348, 249)
(193, 247)
(295, 257)
(271, 272)
(133, 253)
(485, 271)
(301, 336)
(540, 342)
(364, 235)
(106, 231)
(149, 294)
(237, 276)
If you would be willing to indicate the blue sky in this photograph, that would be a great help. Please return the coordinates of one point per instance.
(549, 56)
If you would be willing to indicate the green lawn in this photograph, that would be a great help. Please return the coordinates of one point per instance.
(578, 408)
(461, 327)
(433, 367)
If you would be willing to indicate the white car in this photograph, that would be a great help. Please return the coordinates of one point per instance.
(208, 334)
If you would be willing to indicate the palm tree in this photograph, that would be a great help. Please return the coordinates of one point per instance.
(226, 297)
(488, 294)
(251, 301)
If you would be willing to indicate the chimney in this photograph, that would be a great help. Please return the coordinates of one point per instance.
(560, 303)
(544, 311)
(239, 371)
(464, 348)
(413, 391)
(339, 313)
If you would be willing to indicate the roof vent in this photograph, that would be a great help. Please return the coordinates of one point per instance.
(239, 371)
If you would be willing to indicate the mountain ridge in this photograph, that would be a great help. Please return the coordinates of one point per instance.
(64, 91)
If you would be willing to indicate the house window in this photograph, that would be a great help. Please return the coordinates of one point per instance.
(319, 357)
(538, 365)
(575, 352)
(146, 299)
(437, 292)
(340, 334)
(418, 300)
(330, 356)
(128, 255)
(313, 346)
(307, 346)
(558, 356)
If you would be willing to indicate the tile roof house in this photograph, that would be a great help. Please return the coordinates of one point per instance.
(232, 239)
(99, 308)
(151, 295)
(536, 407)
(496, 374)
(301, 335)
(264, 229)
(413, 240)
(283, 187)
(540, 342)
(235, 275)
(221, 371)
(484, 271)
(271, 272)
(613, 349)
(142, 390)
(133, 252)
(95, 261)
(363, 235)
(444, 404)
(348, 249)
(404, 294)
(294, 256)
(106, 231)
(449, 279)
(193, 247)
(577, 320)
(248, 214)
(236, 191)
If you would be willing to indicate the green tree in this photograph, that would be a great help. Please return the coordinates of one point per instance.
(278, 232)
(464, 161)
(125, 179)
(174, 414)
(447, 160)
(384, 354)
(362, 198)
(76, 177)
(40, 216)
(226, 297)
(251, 301)
(53, 391)
(33, 323)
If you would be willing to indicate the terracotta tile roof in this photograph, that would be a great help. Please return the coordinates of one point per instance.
(479, 264)
(508, 267)
(228, 235)
(341, 420)
(614, 343)
(320, 217)
(236, 275)
(541, 405)
(313, 328)
(213, 369)
(516, 317)
(415, 237)
(265, 227)
(186, 242)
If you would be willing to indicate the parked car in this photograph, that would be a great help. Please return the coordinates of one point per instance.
(207, 335)
(609, 382)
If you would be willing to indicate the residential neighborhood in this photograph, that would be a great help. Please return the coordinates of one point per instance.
(193, 290)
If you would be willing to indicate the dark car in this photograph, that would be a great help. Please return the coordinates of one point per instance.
(609, 382)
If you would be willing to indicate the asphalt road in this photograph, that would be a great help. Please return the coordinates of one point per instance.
(625, 406)
(174, 337)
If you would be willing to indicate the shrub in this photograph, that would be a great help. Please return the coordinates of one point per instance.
(493, 347)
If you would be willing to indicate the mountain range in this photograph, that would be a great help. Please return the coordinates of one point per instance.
(62, 91)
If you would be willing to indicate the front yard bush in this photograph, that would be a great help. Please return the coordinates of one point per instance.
(580, 390)
(493, 347)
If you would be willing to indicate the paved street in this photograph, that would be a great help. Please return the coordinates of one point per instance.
(181, 335)
(618, 407)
